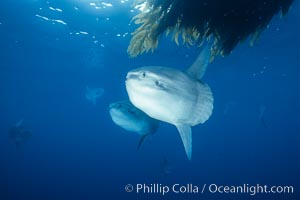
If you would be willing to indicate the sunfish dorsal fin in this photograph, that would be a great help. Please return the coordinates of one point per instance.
(198, 68)
(185, 132)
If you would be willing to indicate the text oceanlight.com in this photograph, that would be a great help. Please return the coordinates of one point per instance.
(157, 188)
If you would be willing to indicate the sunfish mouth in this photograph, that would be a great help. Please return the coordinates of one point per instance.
(132, 75)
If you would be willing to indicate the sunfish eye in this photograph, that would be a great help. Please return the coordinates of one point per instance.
(143, 74)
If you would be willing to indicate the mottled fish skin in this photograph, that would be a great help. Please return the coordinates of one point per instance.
(169, 95)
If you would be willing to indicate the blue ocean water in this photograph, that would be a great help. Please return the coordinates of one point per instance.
(51, 51)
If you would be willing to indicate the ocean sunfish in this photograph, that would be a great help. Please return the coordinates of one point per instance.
(18, 133)
(130, 118)
(173, 96)
(165, 167)
(93, 94)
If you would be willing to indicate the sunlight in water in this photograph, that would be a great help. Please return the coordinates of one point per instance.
(103, 4)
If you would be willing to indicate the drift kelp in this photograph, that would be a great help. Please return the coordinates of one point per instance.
(226, 22)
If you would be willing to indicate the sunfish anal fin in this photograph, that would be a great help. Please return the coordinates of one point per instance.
(198, 68)
(185, 132)
(141, 141)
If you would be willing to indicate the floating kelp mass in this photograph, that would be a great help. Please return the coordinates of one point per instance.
(225, 22)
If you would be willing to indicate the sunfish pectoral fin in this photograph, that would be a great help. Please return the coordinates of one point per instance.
(142, 140)
(198, 68)
(185, 132)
